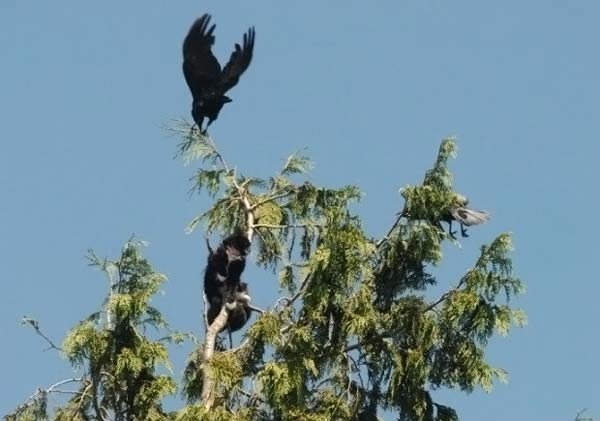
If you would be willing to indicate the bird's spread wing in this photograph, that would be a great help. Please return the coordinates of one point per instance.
(238, 62)
(200, 67)
(469, 217)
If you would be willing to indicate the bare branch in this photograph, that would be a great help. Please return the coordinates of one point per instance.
(210, 250)
(36, 326)
(208, 382)
(253, 398)
(290, 300)
(391, 230)
(276, 226)
(205, 313)
(356, 368)
(220, 158)
(352, 347)
(39, 391)
(241, 346)
(258, 310)
(302, 288)
(249, 215)
(440, 300)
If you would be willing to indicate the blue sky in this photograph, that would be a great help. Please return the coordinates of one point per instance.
(370, 88)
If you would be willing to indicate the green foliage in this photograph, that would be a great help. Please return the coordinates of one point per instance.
(356, 329)
(296, 164)
(359, 325)
(117, 360)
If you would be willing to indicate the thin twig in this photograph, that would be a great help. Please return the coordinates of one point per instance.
(290, 301)
(220, 157)
(352, 347)
(357, 368)
(241, 346)
(251, 396)
(322, 382)
(298, 293)
(278, 226)
(258, 310)
(39, 391)
(208, 246)
(279, 300)
(36, 326)
(67, 392)
(444, 296)
(391, 230)
(438, 301)
(245, 392)
(271, 199)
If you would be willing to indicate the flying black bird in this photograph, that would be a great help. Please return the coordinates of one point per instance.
(203, 74)
(465, 216)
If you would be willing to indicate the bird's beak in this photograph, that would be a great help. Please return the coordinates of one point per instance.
(226, 99)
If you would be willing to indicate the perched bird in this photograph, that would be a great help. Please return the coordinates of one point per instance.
(224, 268)
(203, 74)
(462, 214)
(239, 311)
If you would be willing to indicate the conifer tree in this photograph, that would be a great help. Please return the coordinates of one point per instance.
(116, 359)
(355, 332)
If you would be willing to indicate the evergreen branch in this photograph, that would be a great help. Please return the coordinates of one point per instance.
(34, 323)
(291, 300)
(444, 297)
(272, 254)
(302, 288)
(277, 226)
(271, 199)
